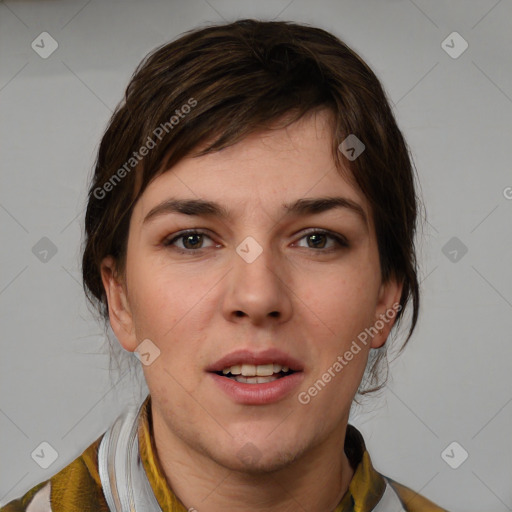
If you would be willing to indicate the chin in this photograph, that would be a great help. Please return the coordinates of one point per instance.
(251, 462)
(258, 457)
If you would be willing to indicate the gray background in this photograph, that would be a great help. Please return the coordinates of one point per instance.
(453, 383)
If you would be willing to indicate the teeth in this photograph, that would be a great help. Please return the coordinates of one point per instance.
(248, 370)
(264, 370)
(234, 370)
(251, 370)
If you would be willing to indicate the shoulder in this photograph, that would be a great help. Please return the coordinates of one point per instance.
(370, 488)
(411, 500)
(75, 488)
(33, 500)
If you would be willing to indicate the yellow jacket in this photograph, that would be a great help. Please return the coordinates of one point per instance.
(78, 487)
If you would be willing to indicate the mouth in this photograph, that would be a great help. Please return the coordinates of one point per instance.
(256, 374)
(262, 378)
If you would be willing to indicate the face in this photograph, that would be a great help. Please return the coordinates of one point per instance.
(252, 288)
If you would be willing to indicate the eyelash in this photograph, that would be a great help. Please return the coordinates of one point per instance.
(340, 240)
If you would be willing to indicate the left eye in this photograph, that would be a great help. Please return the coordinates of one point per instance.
(319, 237)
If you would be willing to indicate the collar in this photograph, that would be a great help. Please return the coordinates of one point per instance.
(364, 492)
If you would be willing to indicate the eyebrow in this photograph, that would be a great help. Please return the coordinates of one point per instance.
(304, 206)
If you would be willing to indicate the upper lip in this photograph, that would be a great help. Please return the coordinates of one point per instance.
(245, 356)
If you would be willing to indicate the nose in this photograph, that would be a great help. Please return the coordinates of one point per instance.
(256, 288)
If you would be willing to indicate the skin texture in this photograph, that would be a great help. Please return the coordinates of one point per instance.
(309, 299)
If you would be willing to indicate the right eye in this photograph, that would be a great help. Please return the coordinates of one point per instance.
(190, 238)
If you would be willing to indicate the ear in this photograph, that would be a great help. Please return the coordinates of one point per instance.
(119, 311)
(388, 306)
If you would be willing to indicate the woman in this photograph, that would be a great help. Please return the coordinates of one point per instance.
(250, 236)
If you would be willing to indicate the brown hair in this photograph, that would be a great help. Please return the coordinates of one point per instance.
(214, 86)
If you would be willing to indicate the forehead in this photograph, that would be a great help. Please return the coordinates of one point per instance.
(265, 170)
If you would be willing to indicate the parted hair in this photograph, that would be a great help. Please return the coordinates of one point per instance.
(215, 85)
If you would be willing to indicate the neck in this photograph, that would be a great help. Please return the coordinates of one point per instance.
(317, 480)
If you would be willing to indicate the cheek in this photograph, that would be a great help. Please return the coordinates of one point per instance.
(174, 316)
(162, 298)
(166, 313)
(343, 302)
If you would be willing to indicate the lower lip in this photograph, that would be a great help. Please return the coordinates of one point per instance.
(258, 394)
